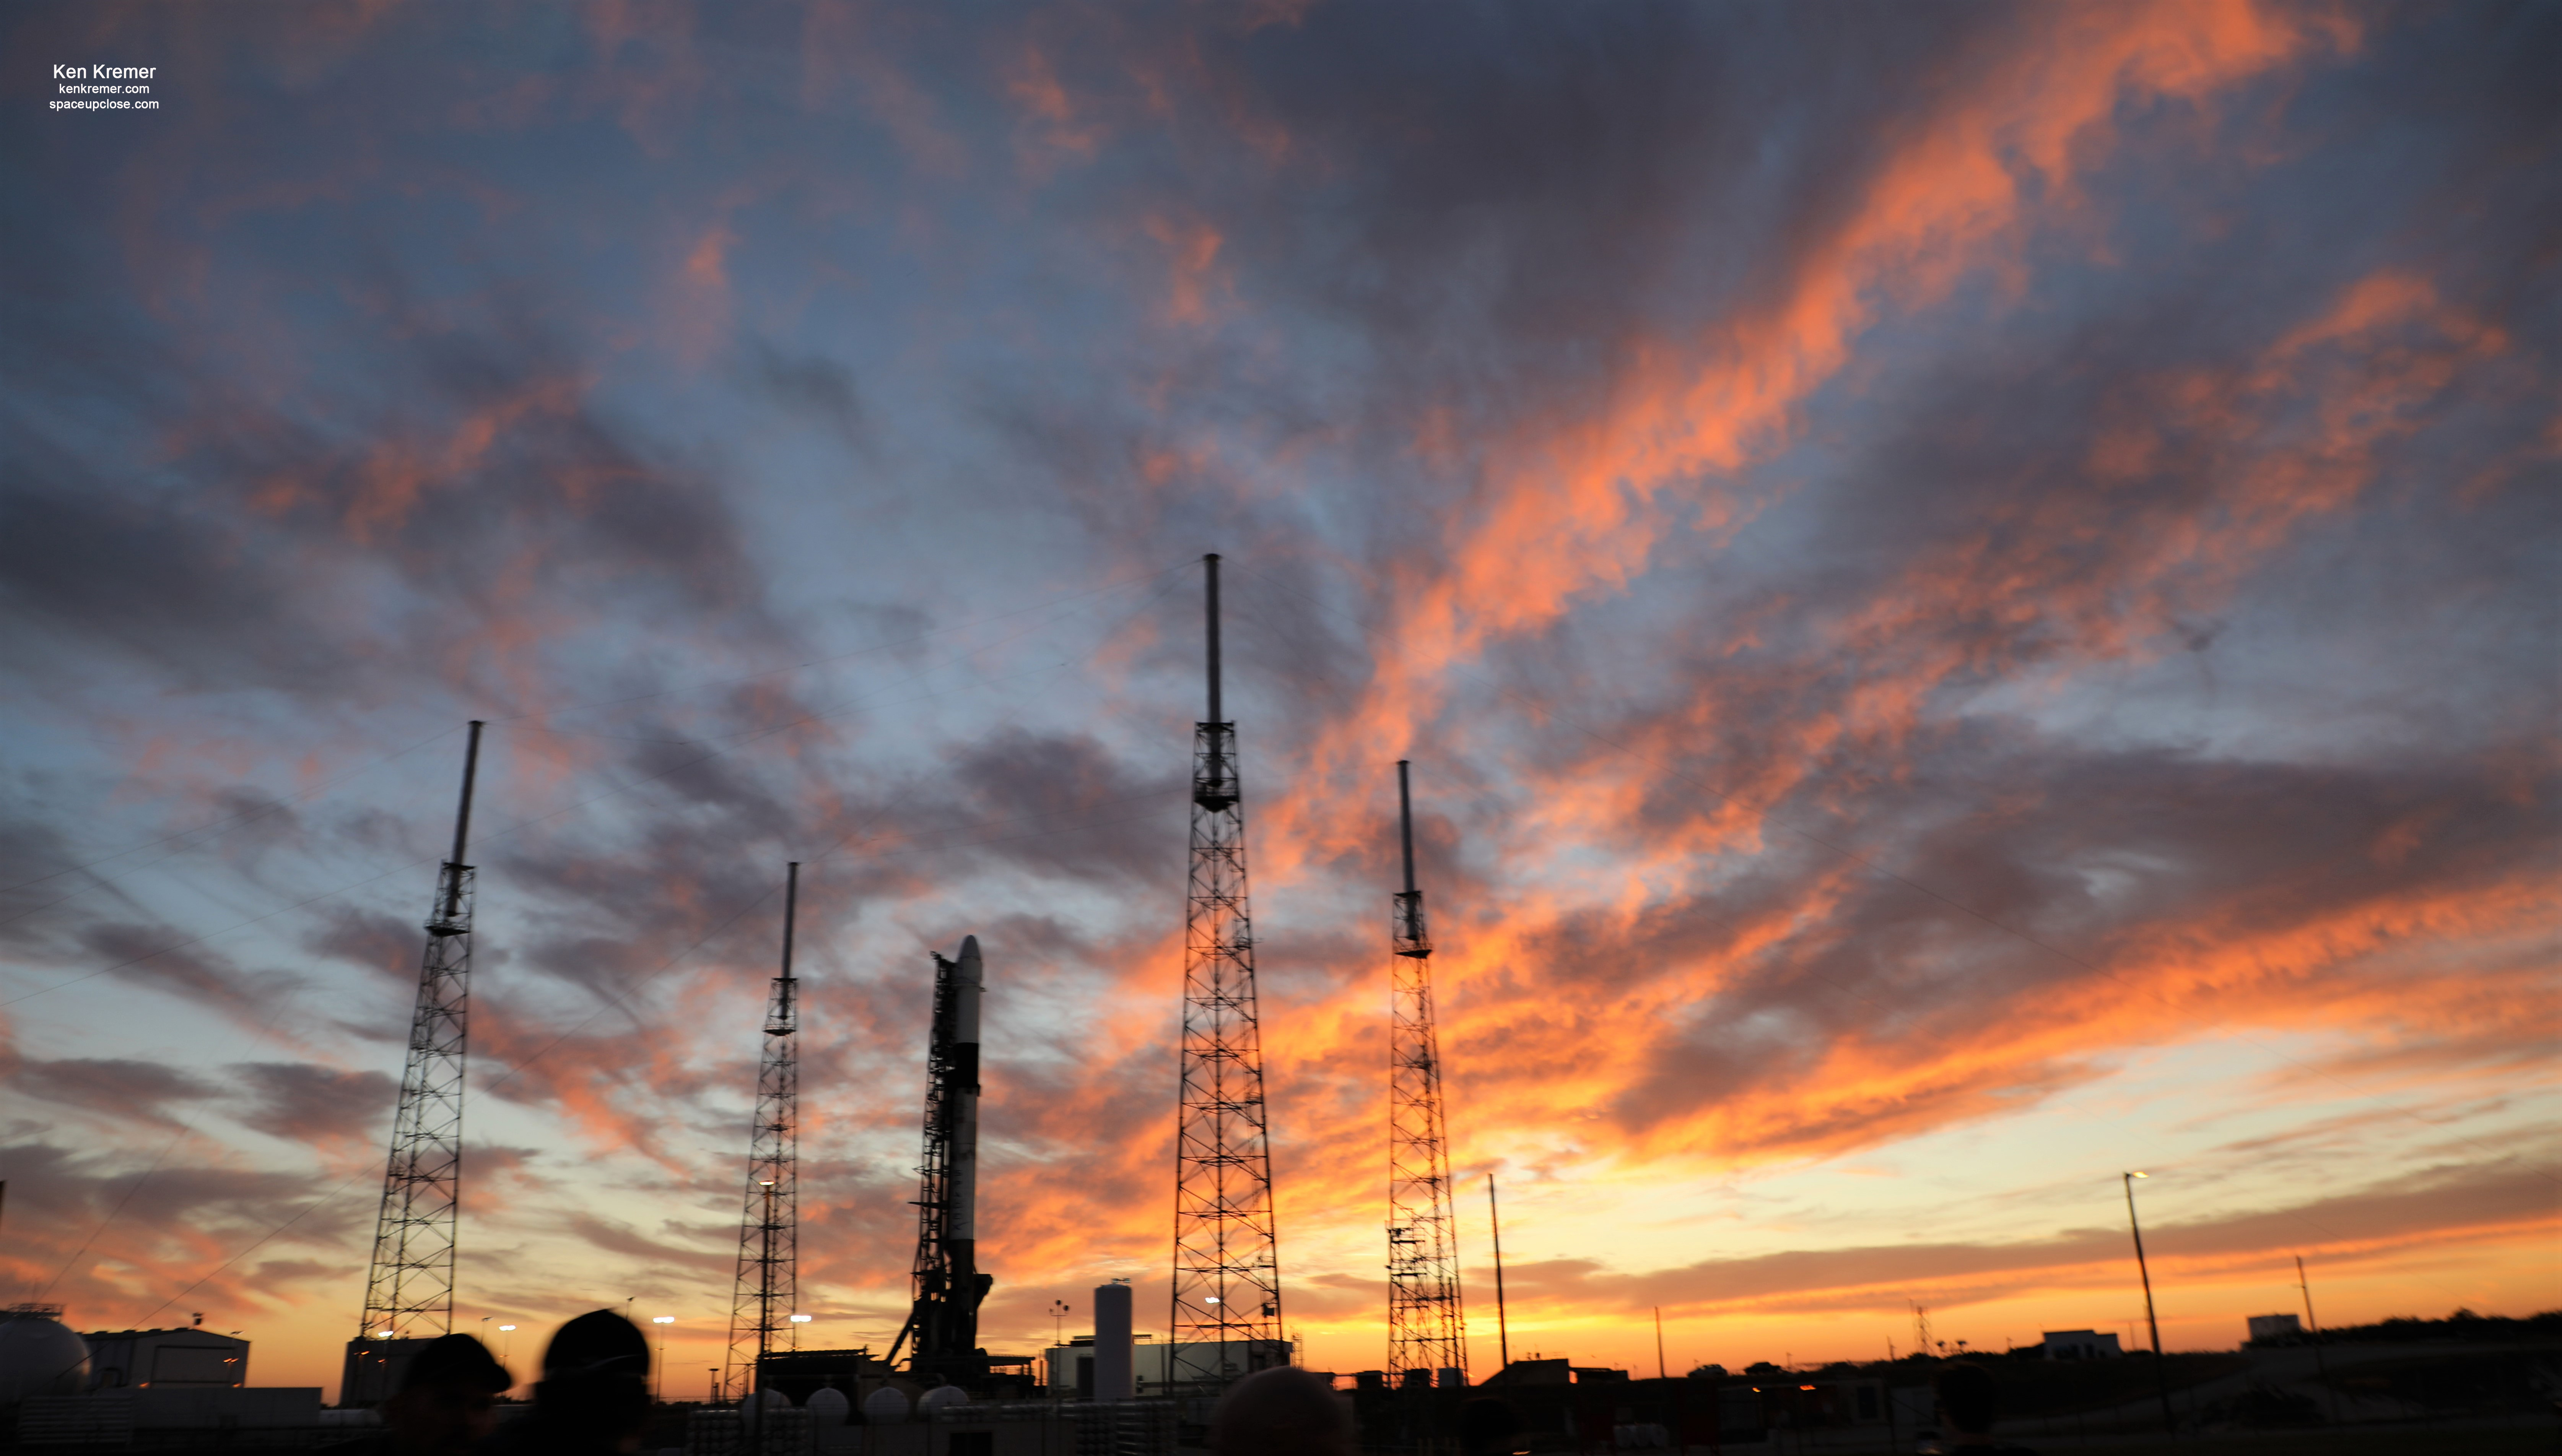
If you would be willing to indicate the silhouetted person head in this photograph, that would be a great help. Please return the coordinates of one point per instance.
(1489, 1427)
(1284, 1411)
(595, 1393)
(1966, 1399)
(444, 1406)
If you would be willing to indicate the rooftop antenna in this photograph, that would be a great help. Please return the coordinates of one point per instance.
(1225, 1317)
(767, 1287)
(1427, 1327)
(409, 1291)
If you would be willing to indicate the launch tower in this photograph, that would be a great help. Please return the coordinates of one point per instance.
(769, 1226)
(942, 1330)
(409, 1293)
(1426, 1327)
(1226, 1307)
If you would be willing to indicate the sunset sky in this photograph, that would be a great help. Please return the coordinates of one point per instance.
(1971, 589)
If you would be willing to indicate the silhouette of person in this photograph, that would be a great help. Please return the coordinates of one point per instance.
(595, 1393)
(442, 1406)
(1489, 1427)
(1283, 1411)
(1966, 1401)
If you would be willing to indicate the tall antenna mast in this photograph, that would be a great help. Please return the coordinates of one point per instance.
(409, 1291)
(769, 1227)
(1226, 1310)
(1427, 1330)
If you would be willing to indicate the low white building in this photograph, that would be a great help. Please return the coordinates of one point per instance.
(2082, 1345)
(183, 1358)
(2276, 1330)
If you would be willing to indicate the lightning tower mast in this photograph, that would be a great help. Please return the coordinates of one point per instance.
(409, 1292)
(1427, 1330)
(769, 1227)
(1226, 1320)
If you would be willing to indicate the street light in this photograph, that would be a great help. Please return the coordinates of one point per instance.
(1057, 1315)
(508, 1353)
(2161, 1376)
(657, 1376)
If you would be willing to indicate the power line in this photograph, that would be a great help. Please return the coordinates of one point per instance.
(613, 789)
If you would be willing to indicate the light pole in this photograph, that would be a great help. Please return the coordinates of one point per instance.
(2161, 1376)
(507, 1355)
(1503, 1328)
(658, 1375)
(1057, 1322)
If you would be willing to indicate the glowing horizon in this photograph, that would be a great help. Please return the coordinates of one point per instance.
(1968, 601)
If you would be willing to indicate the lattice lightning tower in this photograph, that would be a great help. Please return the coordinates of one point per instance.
(769, 1226)
(1427, 1328)
(1226, 1307)
(410, 1290)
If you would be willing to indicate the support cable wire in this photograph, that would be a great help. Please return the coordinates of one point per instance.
(612, 791)
(251, 816)
(636, 988)
(1550, 710)
(729, 742)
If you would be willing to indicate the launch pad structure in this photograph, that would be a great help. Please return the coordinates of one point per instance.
(409, 1286)
(1225, 1317)
(942, 1330)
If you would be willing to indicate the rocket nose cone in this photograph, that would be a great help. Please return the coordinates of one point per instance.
(970, 958)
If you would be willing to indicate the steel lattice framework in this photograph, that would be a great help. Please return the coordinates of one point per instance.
(767, 1288)
(1427, 1327)
(409, 1291)
(1226, 1307)
(930, 1277)
(942, 1319)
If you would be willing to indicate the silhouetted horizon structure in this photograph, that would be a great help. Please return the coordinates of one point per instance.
(409, 1287)
(768, 1283)
(1426, 1323)
(1226, 1316)
(942, 1329)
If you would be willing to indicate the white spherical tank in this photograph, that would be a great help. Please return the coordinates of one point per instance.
(941, 1397)
(828, 1407)
(885, 1407)
(749, 1404)
(40, 1356)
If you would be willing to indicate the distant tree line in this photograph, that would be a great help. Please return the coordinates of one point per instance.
(2463, 1324)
